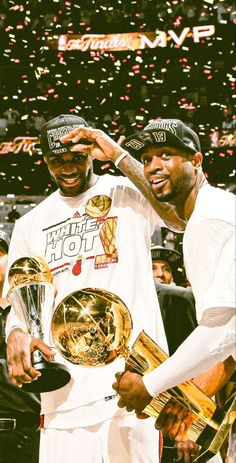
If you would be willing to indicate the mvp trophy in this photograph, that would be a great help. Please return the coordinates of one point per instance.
(32, 297)
(92, 327)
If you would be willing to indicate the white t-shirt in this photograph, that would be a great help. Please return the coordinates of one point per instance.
(209, 257)
(99, 239)
(209, 250)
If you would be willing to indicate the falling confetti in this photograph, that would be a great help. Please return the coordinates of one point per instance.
(117, 91)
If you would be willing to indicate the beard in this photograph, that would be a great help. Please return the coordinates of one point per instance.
(84, 184)
(178, 188)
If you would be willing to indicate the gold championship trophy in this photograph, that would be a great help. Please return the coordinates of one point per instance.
(92, 327)
(32, 296)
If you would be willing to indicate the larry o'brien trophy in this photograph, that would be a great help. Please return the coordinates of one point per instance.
(92, 327)
(32, 296)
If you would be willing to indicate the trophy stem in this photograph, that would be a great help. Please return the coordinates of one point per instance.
(37, 357)
(124, 352)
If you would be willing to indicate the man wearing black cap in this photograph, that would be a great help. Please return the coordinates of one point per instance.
(176, 302)
(19, 411)
(93, 232)
(165, 263)
(171, 154)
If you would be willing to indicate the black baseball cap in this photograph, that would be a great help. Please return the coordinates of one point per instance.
(4, 241)
(56, 128)
(173, 257)
(162, 132)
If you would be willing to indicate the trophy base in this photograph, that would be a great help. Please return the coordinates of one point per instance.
(53, 377)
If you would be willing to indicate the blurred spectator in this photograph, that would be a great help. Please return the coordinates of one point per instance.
(4, 244)
(190, 11)
(12, 116)
(165, 263)
(13, 215)
(39, 121)
(2, 20)
(223, 11)
(3, 125)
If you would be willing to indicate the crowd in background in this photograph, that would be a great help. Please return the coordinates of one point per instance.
(88, 15)
(117, 91)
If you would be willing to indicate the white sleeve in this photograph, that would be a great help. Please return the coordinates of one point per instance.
(206, 346)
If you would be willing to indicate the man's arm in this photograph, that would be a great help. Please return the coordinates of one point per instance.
(206, 346)
(212, 380)
(104, 148)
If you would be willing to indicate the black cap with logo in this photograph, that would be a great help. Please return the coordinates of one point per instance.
(173, 257)
(56, 128)
(163, 132)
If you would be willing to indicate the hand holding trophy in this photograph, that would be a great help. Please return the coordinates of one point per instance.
(32, 296)
(92, 327)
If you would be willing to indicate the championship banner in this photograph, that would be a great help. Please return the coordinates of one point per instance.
(129, 41)
(221, 138)
(23, 144)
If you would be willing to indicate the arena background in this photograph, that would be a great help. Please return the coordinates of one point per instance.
(148, 59)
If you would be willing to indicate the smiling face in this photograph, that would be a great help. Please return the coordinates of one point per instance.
(71, 171)
(170, 172)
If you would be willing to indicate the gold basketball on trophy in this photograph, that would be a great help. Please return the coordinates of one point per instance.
(91, 327)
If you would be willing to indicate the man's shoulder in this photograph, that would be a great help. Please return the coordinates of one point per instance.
(215, 204)
(211, 195)
(32, 214)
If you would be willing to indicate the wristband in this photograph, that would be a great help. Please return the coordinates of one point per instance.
(121, 157)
